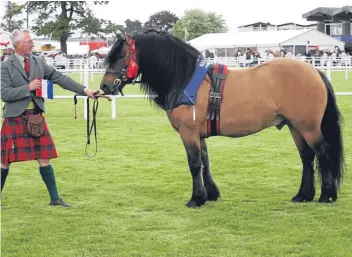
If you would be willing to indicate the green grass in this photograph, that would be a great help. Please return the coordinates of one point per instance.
(130, 199)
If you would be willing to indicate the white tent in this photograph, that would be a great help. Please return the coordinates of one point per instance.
(74, 48)
(5, 40)
(264, 40)
(102, 50)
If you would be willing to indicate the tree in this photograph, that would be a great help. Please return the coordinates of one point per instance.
(133, 26)
(163, 20)
(60, 19)
(111, 28)
(196, 22)
(91, 27)
(11, 20)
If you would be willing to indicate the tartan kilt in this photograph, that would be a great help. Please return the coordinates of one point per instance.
(17, 145)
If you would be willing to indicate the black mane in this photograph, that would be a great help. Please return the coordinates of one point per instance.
(166, 62)
(114, 53)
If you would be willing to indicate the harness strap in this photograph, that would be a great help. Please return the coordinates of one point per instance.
(215, 99)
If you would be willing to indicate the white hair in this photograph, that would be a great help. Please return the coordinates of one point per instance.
(18, 35)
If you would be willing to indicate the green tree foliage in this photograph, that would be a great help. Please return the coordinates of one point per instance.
(196, 22)
(111, 28)
(133, 26)
(61, 19)
(163, 20)
(11, 19)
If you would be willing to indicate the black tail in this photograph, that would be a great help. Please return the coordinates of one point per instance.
(331, 129)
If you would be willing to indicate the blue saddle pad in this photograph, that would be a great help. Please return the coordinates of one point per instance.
(189, 94)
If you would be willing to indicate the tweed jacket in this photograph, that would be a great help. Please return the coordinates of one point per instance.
(15, 84)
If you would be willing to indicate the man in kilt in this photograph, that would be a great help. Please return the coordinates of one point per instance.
(19, 82)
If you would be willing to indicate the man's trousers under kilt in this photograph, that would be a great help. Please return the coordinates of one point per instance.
(17, 145)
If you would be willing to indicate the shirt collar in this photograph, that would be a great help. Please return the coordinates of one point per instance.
(19, 57)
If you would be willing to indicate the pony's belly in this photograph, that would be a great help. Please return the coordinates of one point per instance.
(244, 126)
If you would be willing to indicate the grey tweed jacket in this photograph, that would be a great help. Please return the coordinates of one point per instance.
(15, 84)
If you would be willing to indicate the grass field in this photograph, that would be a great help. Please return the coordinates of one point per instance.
(130, 199)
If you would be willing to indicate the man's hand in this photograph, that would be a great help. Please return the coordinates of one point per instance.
(34, 85)
(89, 93)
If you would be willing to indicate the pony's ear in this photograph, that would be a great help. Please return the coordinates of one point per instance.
(120, 35)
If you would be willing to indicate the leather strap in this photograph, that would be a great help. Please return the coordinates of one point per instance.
(94, 121)
(215, 99)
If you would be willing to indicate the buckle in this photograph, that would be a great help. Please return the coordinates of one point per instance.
(215, 95)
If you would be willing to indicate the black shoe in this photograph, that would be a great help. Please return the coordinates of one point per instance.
(59, 202)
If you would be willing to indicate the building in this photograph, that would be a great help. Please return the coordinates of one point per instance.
(258, 26)
(266, 26)
(335, 22)
(290, 26)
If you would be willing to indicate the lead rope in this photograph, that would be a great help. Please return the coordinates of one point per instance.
(94, 121)
(93, 126)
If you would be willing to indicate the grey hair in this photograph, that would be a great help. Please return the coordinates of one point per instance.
(18, 35)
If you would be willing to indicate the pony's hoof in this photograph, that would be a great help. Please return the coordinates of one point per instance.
(301, 198)
(326, 199)
(328, 194)
(194, 203)
(213, 193)
(213, 196)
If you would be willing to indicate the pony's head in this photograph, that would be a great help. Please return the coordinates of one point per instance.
(166, 64)
(122, 67)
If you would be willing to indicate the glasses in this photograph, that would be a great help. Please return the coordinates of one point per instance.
(29, 42)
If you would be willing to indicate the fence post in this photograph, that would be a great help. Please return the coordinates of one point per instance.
(81, 68)
(113, 108)
(86, 84)
(329, 68)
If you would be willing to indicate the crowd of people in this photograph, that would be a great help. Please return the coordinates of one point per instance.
(250, 57)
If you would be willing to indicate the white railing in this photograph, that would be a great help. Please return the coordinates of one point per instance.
(86, 70)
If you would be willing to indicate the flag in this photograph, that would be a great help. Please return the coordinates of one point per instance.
(47, 89)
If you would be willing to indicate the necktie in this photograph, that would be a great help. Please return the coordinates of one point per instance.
(26, 66)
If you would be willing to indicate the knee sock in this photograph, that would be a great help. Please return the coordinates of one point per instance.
(4, 173)
(48, 177)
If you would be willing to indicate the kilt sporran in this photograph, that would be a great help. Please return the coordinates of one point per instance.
(35, 125)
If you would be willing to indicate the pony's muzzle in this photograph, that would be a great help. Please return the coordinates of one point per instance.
(106, 89)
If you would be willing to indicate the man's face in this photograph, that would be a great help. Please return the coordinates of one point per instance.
(25, 46)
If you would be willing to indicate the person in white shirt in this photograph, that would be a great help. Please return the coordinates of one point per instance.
(343, 58)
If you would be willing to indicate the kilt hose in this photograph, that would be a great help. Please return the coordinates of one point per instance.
(17, 145)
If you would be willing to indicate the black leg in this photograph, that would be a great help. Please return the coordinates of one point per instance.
(306, 191)
(210, 186)
(199, 194)
(328, 182)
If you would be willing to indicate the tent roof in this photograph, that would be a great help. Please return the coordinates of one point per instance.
(250, 38)
(253, 38)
